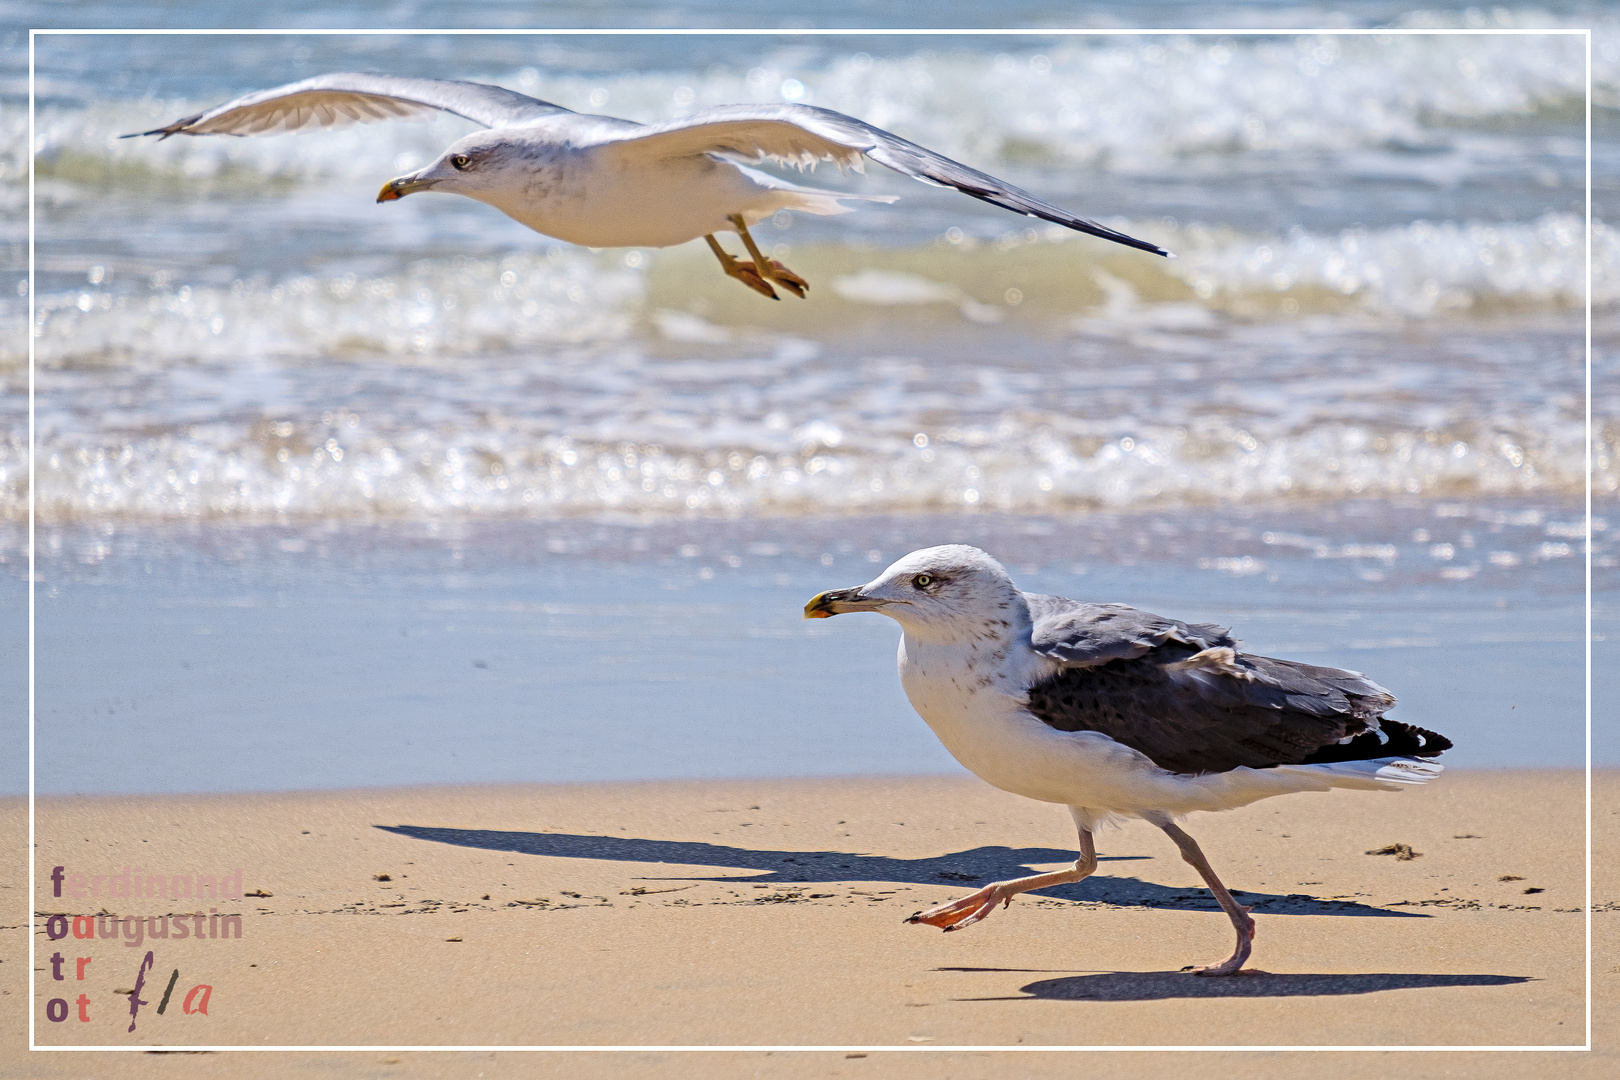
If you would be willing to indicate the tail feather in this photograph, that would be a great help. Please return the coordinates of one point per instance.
(1373, 774)
(808, 200)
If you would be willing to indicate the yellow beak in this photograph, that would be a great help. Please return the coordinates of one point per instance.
(401, 186)
(839, 601)
(817, 607)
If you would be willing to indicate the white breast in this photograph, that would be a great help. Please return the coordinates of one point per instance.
(583, 198)
(974, 702)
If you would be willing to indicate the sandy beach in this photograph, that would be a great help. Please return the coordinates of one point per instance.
(768, 913)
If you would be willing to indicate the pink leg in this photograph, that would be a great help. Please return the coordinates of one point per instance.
(1236, 912)
(975, 906)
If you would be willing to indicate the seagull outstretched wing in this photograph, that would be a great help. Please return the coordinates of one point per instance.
(349, 97)
(804, 134)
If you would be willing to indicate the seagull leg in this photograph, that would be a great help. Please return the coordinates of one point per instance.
(743, 272)
(1235, 911)
(769, 268)
(975, 906)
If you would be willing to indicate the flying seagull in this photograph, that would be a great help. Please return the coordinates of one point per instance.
(1114, 712)
(605, 182)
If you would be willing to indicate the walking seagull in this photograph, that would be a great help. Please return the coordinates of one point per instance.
(604, 182)
(1114, 712)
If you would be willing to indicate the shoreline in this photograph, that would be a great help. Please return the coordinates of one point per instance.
(709, 912)
(12, 801)
(553, 655)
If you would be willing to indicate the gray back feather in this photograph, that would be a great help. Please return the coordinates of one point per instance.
(1083, 634)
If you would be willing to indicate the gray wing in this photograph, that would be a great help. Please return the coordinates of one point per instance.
(1183, 695)
(349, 97)
(804, 134)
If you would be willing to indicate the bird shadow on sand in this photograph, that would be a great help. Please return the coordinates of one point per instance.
(1166, 985)
(970, 868)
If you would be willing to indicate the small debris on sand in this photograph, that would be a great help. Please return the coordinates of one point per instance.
(1403, 852)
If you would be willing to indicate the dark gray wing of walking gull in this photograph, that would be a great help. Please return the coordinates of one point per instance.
(604, 182)
(1188, 699)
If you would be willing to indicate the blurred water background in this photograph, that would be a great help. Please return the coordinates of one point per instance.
(334, 493)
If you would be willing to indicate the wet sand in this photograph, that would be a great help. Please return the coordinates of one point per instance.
(768, 914)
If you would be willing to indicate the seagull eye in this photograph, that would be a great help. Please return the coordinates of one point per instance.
(922, 581)
(461, 161)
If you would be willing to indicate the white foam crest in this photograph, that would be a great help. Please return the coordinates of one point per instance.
(460, 306)
(1137, 102)
(1134, 102)
(348, 465)
(1125, 103)
(1417, 269)
(433, 308)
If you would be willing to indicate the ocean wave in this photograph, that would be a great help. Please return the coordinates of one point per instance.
(1127, 104)
(1134, 403)
(269, 354)
(452, 306)
(1416, 269)
(335, 467)
(465, 305)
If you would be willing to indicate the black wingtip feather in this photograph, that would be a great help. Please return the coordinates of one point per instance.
(1106, 233)
(1398, 740)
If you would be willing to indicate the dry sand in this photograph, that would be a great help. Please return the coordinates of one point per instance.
(768, 913)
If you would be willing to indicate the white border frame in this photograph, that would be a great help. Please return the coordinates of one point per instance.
(1586, 34)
